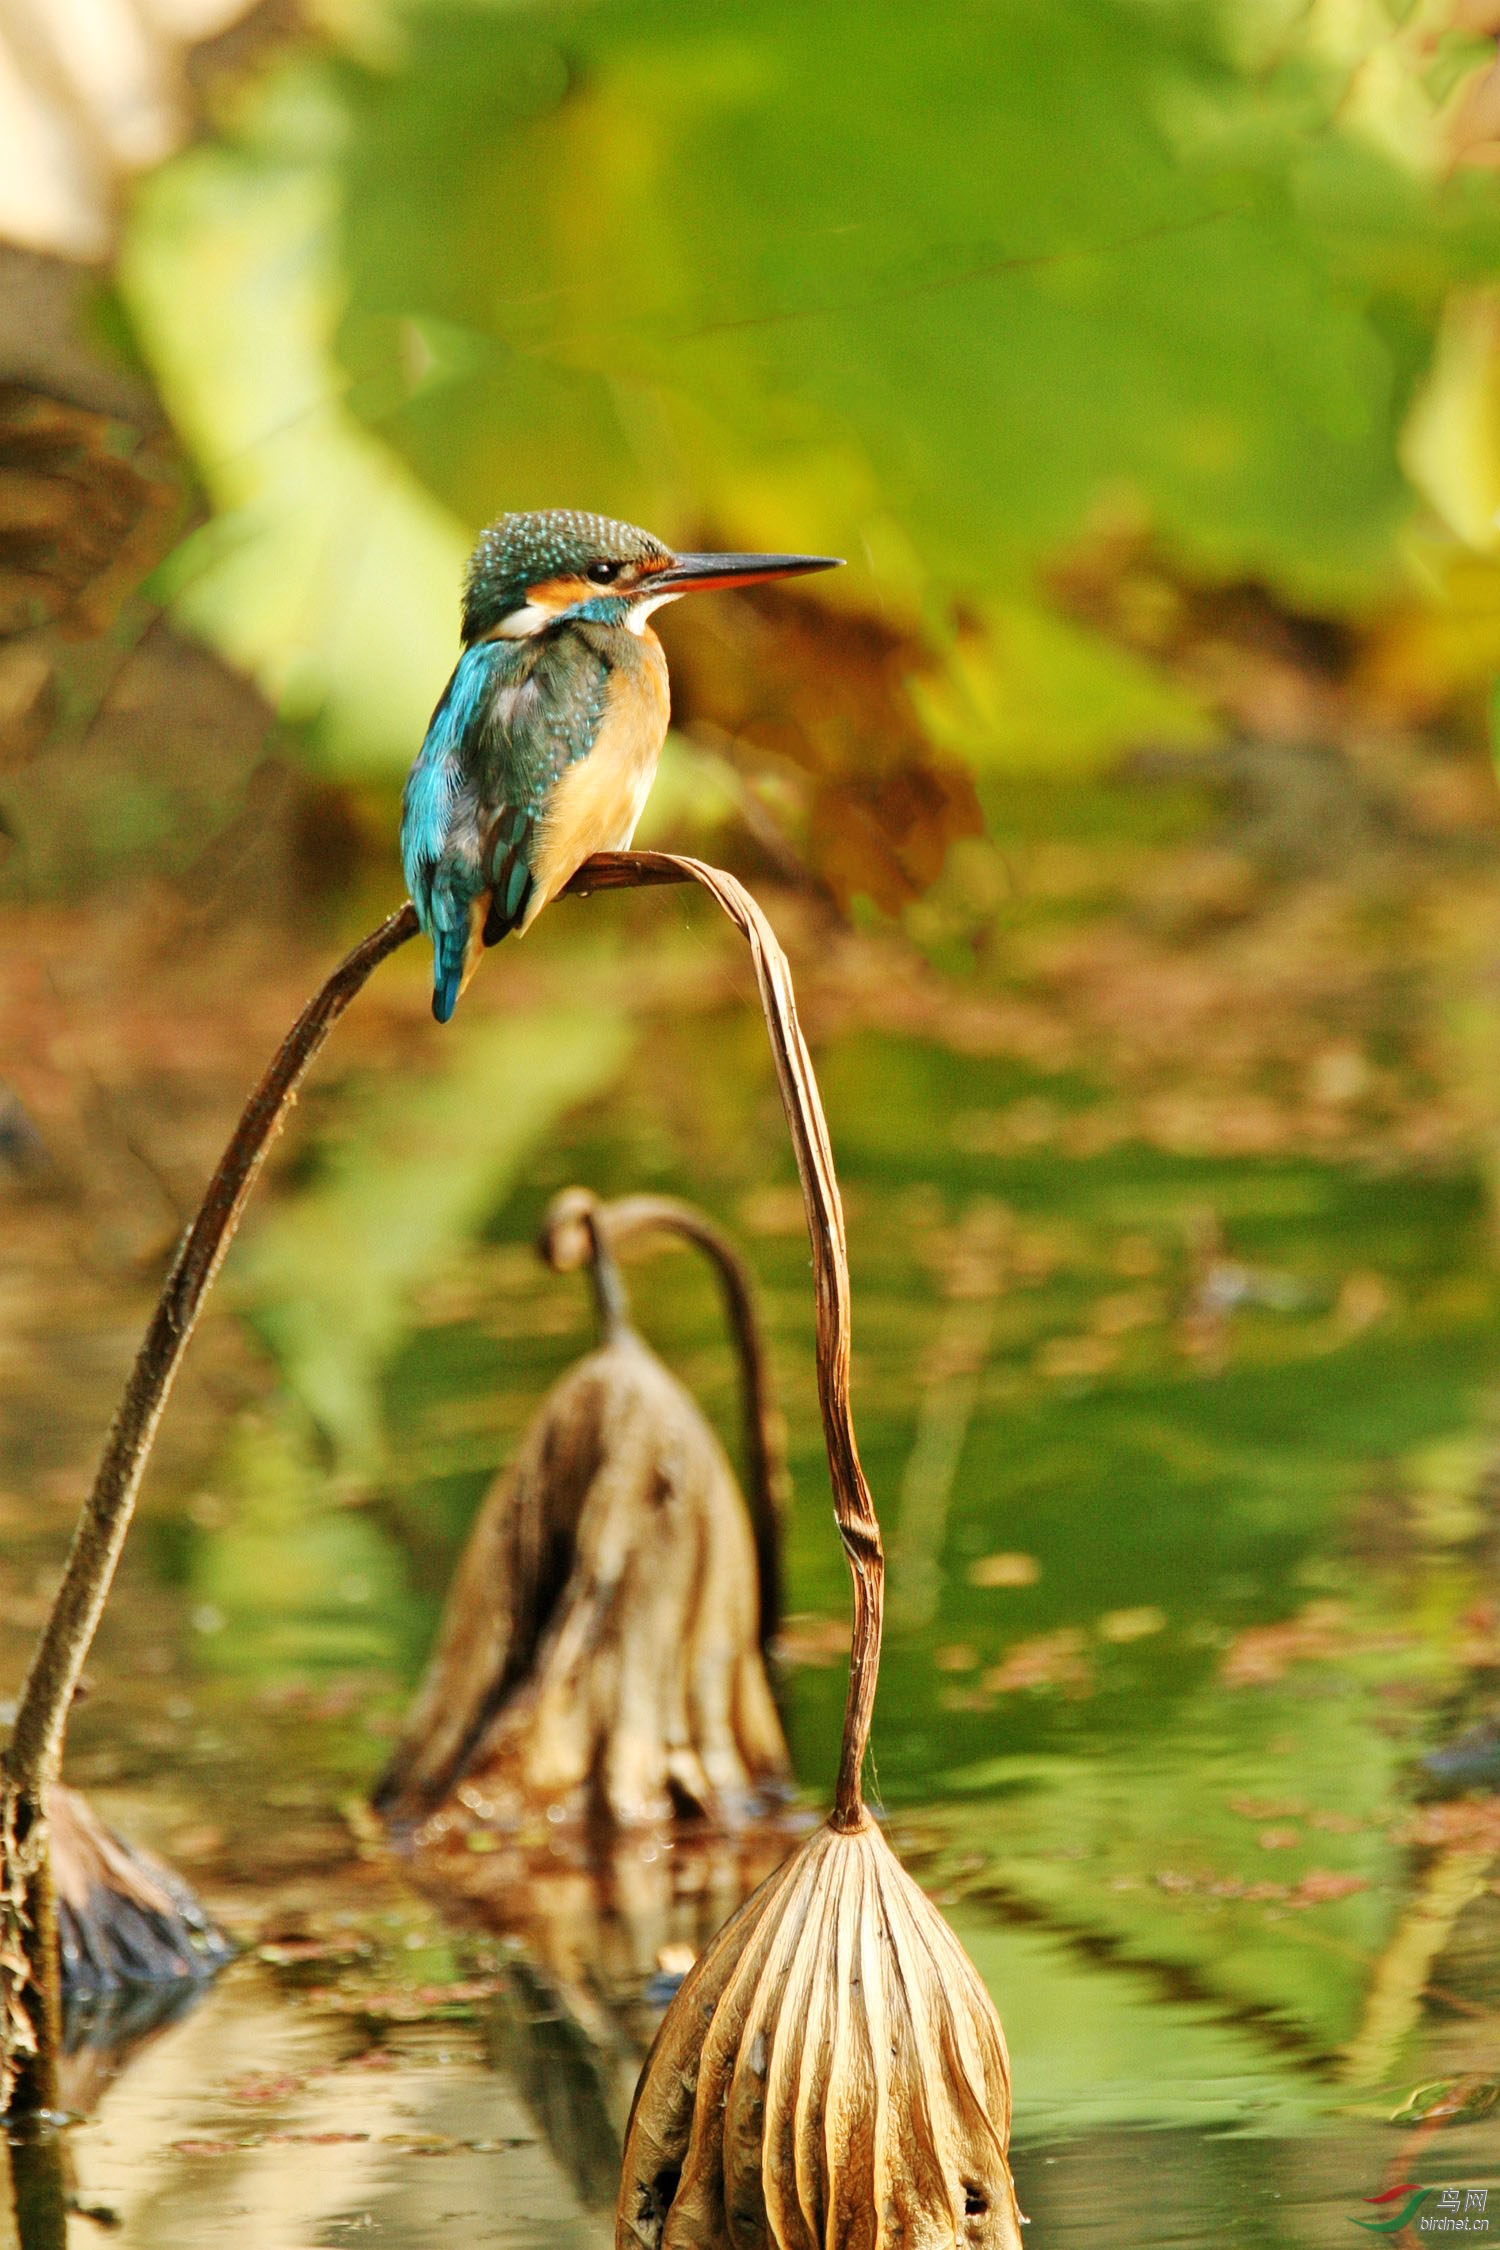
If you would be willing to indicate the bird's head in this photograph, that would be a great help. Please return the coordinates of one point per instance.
(528, 571)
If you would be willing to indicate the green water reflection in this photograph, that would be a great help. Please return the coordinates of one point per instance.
(1176, 1604)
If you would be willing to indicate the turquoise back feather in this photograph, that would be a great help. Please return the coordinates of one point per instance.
(513, 717)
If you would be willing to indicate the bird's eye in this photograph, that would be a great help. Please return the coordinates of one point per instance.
(603, 573)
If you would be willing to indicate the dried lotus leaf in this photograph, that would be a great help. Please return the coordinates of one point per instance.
(831, 2076)
(125, 1919)
(600, 1656)
(599, 1653)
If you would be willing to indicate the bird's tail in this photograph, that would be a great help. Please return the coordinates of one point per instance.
(455, 952)
(448, 950)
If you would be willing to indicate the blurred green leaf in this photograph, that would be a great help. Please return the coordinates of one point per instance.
(948, 277)
(290, 1583)
(327, 571)
(943, 290)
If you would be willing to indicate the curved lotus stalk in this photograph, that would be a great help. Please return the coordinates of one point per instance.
(832, 2075)
(31, 2010)
(599, 1656)
(853, 1509)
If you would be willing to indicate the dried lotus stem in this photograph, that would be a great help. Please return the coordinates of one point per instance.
(30, 1987)
(832, 2072)
(573, 1236)
(852, 1506)
(579, 1228)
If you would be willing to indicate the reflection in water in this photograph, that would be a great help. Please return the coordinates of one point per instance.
(430, 2104)
(39, 2194)
(102, 2030)
(600, 1943)
(571, 2084)
(138, 1950)
(1150, 1733)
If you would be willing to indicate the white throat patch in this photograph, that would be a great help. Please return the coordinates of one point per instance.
(641, 610)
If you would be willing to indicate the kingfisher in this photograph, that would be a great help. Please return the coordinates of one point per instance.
(545, 742)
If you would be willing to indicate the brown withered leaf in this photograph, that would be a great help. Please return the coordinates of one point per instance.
(600, 1653)
(82, 519)
(123, 1916)
(831, 2071)
(1127, 586)
(803, 687)
(1263, 1654)
(1047, 1660)
(599, 1650)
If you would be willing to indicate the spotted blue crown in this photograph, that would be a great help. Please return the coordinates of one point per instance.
(520, 551)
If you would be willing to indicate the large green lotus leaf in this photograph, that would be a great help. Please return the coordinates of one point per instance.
(943, 290)
(939, 278)
(330, 569)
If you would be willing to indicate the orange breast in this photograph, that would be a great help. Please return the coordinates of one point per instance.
(596, 804)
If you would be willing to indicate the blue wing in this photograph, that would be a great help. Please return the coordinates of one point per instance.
(439, 840)
(513, 716)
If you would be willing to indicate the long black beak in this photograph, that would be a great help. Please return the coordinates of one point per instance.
(685, 574)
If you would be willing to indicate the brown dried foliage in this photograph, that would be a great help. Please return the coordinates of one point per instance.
(600, 1650)
(570, 1239)
(123, 1917)
(601, 1643)
(80, 522)
(824, 695)
(832, 2073)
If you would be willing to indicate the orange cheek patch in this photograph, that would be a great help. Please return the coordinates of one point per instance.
(561, 593)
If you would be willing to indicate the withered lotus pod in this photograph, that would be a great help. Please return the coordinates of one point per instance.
(832, 2073)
